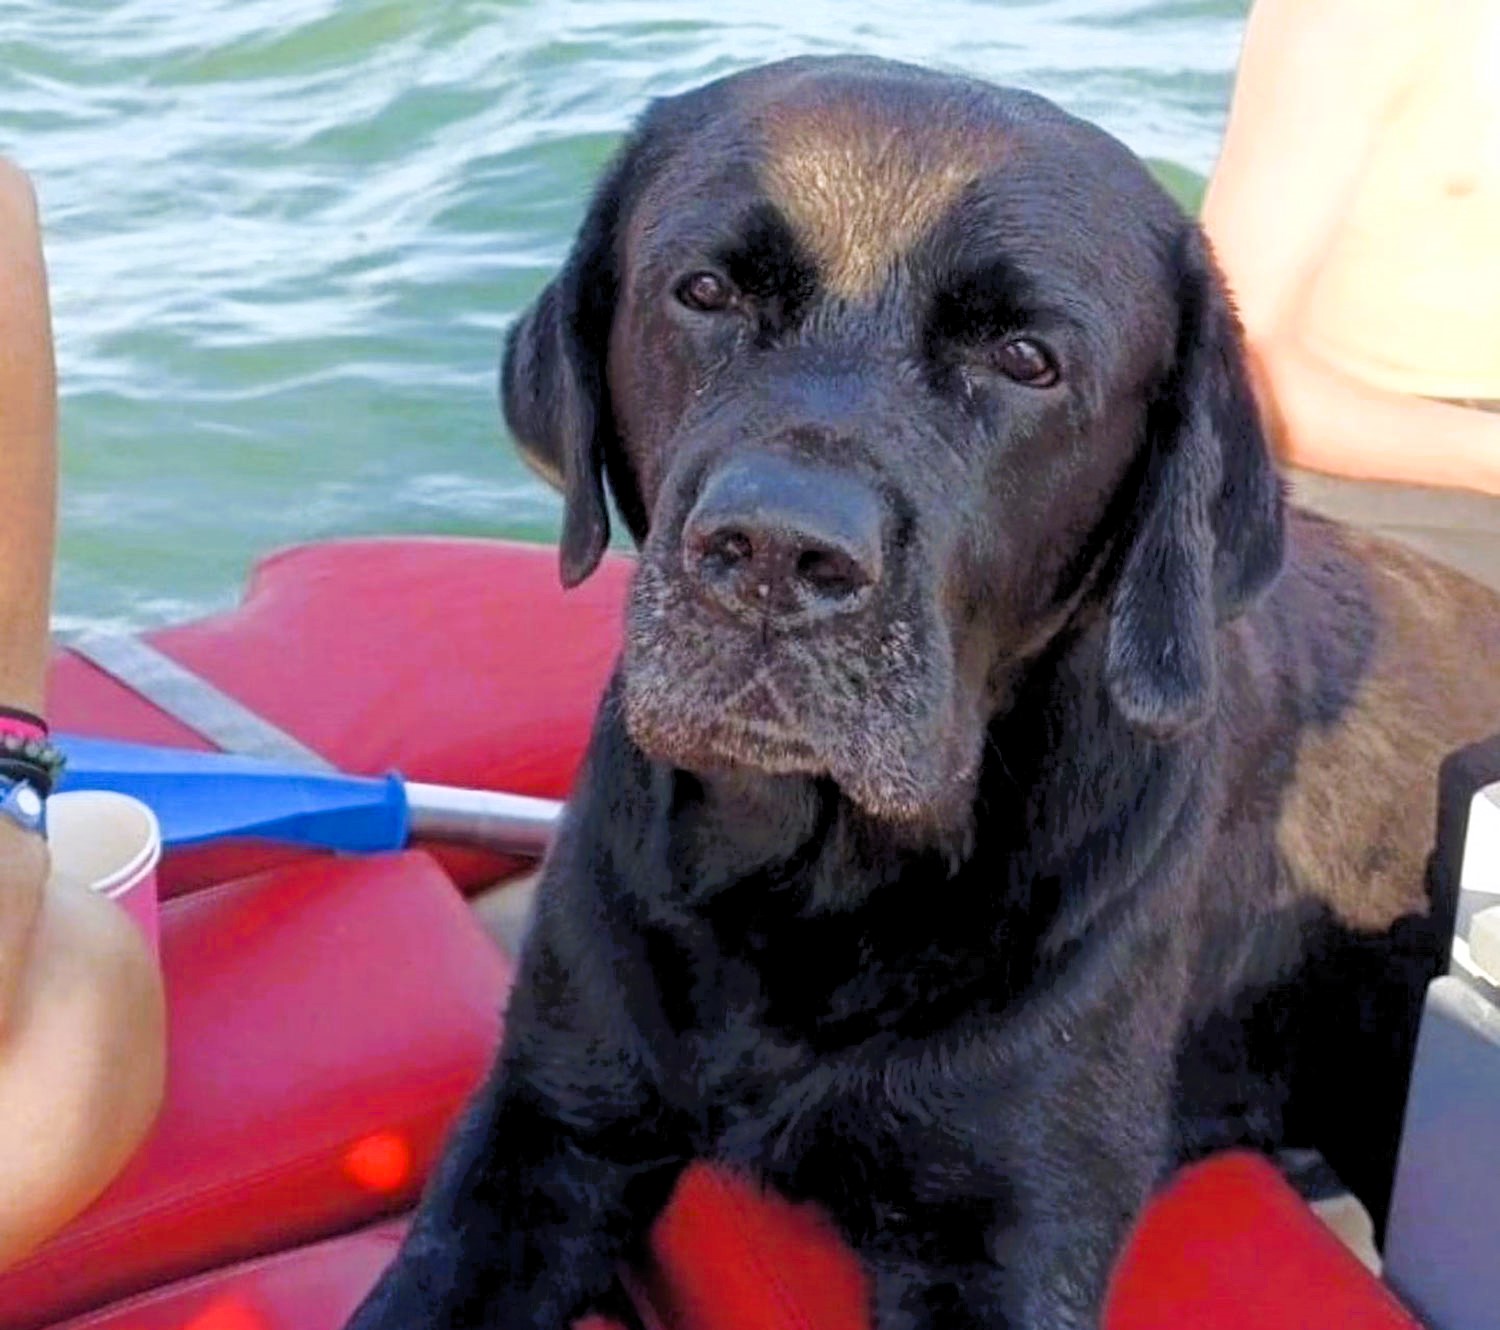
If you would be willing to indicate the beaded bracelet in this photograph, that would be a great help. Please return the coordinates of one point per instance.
(37, 761)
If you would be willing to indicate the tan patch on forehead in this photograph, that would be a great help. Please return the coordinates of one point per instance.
(860, 191)
(1358, 820)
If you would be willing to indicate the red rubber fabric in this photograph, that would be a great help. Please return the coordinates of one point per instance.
(309, 1288)
(1227, 1246)
(457, 662)
(1230, 1246)
(326, 1023)
(728, 1256)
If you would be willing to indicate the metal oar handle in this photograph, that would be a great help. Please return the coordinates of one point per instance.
(515, 823)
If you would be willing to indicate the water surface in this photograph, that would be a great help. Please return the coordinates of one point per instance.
(286, 236)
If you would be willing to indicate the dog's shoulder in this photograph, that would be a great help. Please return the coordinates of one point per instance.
(1384, 654)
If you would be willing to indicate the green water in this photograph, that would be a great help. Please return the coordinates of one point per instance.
(286, 236)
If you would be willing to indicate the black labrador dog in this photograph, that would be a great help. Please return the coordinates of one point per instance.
(1001, 798)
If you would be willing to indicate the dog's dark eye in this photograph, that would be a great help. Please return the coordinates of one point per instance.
(706, 292)
(1026, 361)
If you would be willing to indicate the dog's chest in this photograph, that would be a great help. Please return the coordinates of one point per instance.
(759, 996)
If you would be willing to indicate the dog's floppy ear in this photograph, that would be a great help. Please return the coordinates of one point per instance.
(552, 380)
(1208, 535)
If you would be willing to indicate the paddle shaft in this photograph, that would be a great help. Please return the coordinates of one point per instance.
(514, 823)
(208, 796)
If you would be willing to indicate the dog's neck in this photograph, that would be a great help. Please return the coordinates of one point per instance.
(1096, 805)
(1072, 808)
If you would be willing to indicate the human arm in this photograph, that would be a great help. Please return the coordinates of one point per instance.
(82, 1019)
(28, 463)
(28, 445)
(1319, 81)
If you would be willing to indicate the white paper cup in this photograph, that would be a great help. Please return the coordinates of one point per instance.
(111, 844)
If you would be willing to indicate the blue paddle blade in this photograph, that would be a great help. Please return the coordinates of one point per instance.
(212, 796)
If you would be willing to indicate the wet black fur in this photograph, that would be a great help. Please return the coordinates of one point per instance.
(978, 1054)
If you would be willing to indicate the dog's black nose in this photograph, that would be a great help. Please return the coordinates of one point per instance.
(772, 538)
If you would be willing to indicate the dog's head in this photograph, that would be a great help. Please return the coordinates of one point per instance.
(892, 375)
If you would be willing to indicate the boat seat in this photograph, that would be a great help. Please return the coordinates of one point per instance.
(315, 1287)
(1227, 1246)
(326, 1021)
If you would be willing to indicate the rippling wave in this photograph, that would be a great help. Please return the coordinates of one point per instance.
(285, 236)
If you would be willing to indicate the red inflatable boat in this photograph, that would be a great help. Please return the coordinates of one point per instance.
(329, 1016)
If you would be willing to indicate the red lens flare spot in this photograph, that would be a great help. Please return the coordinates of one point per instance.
(380, 1162)
(227, 1314)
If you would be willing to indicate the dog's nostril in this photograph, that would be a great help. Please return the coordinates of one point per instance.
(728, 548)
(830, 573)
